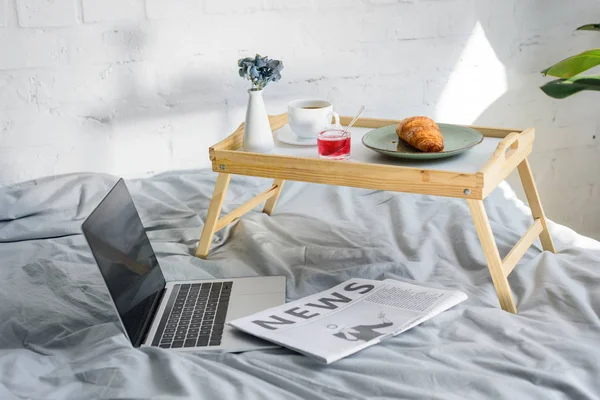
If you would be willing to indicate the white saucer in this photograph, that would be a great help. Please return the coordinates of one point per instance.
(286, 135)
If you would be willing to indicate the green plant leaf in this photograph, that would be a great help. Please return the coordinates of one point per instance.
(589, 27)
(561, 88)
(572, 66)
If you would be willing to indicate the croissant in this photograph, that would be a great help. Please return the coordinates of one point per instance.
(422, 133)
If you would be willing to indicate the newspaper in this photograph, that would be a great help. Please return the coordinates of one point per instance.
(349, 317)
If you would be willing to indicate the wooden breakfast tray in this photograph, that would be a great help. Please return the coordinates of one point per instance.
(472, 176)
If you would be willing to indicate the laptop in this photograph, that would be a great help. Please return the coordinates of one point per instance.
(184, 315)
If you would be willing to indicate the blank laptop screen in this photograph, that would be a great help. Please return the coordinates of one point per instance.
(127, 262)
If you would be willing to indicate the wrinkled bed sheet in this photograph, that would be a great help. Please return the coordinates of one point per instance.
(59, 336)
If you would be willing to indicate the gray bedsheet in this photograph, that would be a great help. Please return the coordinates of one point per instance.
(59, 337)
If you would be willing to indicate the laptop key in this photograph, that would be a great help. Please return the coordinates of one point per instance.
(179, 337)
(190, 343)
(165, 345)
(178, 343)
(220, 322)
(214, 343)
(221, 313)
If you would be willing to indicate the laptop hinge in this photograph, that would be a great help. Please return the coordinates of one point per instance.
(150, 318)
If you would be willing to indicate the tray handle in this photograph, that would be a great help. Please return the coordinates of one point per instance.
(515, 144)
(508, 146)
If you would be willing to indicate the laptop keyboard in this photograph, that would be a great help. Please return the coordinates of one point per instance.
(194, 315)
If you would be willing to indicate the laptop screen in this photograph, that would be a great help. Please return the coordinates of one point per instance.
(117, 238)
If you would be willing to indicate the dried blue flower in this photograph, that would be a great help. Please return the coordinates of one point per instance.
(254, 72)
(260, 70)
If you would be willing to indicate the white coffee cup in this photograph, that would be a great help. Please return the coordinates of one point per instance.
(309, 117)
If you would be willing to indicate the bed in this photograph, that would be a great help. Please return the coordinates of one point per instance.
(60, 338)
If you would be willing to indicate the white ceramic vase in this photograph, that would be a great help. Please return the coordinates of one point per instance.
(258, 137)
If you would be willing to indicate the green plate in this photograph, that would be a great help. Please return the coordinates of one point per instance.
(457, 139)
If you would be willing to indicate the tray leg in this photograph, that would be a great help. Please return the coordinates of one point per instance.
(214, 210)
(490, 250)
(535, 204)
(270, 204)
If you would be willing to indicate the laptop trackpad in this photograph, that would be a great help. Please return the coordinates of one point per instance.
(246, 304)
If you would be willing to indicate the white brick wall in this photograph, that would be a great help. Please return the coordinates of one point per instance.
(45, 13)
(132, 87)
(112, 10)
(184, 9)
(2, 12)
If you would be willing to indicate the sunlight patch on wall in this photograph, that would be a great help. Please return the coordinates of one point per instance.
(477, 80)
